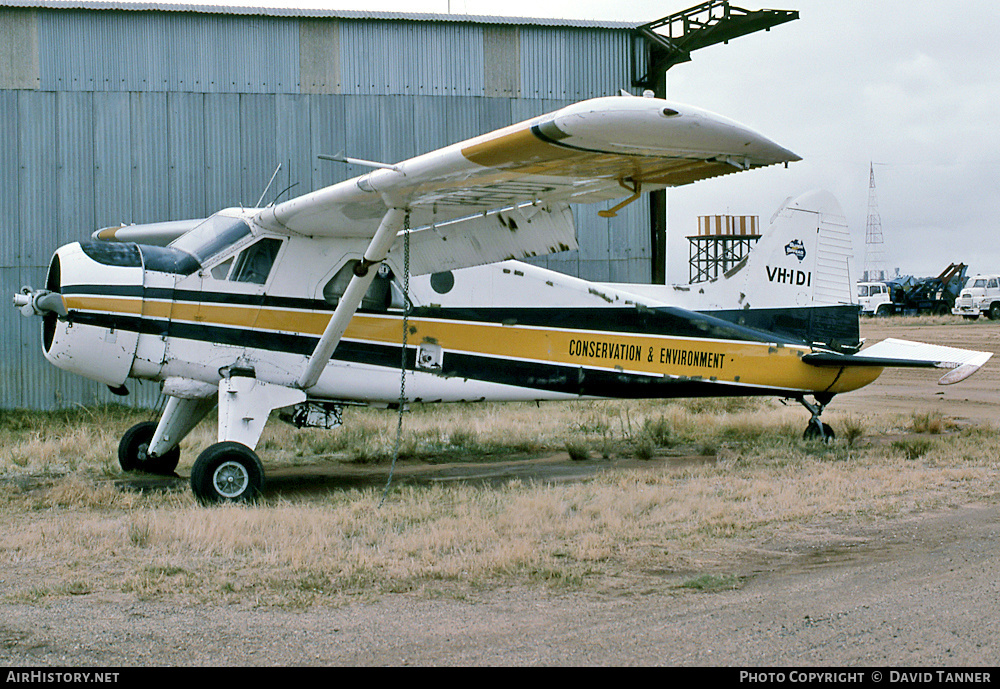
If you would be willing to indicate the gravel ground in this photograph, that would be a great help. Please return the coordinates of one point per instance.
(920, 593)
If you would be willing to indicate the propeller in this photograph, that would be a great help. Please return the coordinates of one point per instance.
(39, 302)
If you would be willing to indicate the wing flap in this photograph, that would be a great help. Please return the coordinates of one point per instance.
(513, 233)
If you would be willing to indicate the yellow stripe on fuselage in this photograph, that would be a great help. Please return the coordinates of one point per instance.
(756, 364)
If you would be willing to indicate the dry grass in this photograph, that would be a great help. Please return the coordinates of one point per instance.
(80, 535)
(927, 319)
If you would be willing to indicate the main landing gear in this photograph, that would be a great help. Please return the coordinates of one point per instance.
(226, 471)
(817, 430)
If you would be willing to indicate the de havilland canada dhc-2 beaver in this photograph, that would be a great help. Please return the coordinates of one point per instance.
(307, 305)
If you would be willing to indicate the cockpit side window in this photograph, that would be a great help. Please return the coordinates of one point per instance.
(254, 263)
(384, 293)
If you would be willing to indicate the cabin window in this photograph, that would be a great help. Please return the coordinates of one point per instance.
(220, 271)
(383, 294)
(992, 284)
(254, 263)
(862, 290)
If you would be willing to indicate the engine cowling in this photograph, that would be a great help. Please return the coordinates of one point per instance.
(101, 289)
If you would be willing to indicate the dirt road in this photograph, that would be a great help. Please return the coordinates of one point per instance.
(922, 592)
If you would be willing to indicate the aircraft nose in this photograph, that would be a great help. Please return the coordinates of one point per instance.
(88, 310)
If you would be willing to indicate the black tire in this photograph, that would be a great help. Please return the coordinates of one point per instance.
(994, 313)
(227, 472)
(882, 311)
(812, 432)
(132, 452)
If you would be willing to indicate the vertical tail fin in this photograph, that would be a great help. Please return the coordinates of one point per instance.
(795, 281)
(802, 259)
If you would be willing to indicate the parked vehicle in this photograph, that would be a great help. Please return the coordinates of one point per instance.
(980, 296)
(909, 296)
(874, 298)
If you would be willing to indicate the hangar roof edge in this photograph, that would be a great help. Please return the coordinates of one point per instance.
(309, 13)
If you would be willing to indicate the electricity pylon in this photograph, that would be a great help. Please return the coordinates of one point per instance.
(874, 260)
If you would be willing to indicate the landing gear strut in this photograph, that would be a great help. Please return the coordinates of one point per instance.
(817, 430)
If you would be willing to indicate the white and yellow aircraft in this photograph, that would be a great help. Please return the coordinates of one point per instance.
(298, 305)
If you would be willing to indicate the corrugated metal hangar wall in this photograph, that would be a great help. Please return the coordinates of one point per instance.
(142, 115)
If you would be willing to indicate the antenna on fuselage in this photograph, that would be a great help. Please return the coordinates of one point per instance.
(269, 183)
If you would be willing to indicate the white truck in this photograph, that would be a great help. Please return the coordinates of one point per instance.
(980, 296)
(871, 296)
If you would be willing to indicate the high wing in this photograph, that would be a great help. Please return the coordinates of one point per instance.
(596, 150)
(506, 194)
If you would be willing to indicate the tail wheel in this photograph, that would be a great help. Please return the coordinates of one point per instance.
(815, 432)
(133, 452)
(227, 472)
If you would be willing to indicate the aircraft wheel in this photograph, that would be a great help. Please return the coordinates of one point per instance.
(227, 472)
(132, 452)
(812, 432)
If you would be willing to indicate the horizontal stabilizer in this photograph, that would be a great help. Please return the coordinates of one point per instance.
(893, 353)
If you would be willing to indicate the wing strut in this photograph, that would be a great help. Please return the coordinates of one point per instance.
(392, 223)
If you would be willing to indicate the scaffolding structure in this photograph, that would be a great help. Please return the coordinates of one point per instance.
(722, 242)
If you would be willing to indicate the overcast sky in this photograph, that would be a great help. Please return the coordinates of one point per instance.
(913, 87)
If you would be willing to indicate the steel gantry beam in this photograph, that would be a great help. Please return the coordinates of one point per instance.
(661, 44)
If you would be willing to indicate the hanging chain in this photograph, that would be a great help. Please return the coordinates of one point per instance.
(402, 361)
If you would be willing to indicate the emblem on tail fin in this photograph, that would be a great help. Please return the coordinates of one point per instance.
(796, 248)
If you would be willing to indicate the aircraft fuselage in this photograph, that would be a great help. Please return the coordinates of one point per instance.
(128, 319)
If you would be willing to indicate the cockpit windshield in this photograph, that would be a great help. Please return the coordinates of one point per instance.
(211, 237)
